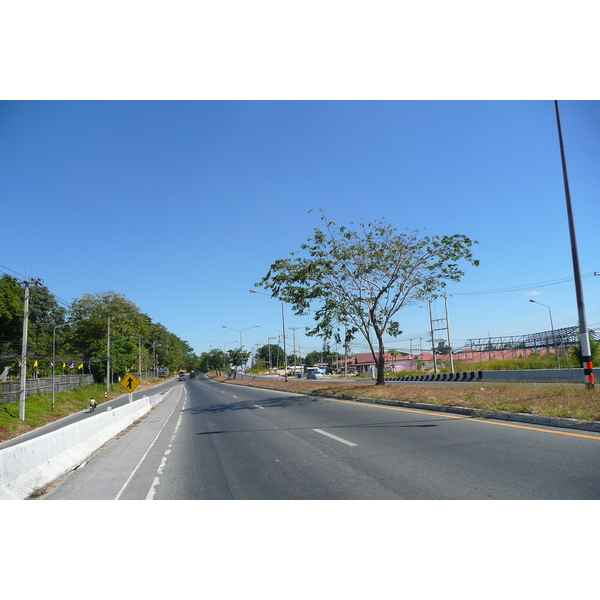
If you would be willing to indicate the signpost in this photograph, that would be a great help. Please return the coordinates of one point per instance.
(130, 382)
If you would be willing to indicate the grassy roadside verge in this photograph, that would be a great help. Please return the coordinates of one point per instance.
(38, 409)
(570, 401)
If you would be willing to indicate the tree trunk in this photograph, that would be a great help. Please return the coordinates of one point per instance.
(380, 362)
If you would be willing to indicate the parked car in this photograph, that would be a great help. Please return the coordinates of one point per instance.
(314, 375)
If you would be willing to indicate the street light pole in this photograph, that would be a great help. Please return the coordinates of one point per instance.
(552, 327)
(224, 343)
(282, 329)
(586, 352)
(241, 343)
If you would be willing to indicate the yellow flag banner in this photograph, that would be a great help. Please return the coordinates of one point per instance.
(80, 366)
(35, 364)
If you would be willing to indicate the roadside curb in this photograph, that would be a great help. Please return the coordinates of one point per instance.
(529, 418)
(490, 414)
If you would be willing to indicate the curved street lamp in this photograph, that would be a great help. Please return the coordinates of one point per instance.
(240, 332)
(282, 329)
(552, 327)
(224, 343)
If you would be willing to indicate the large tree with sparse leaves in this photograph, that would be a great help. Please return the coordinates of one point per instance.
(356, 280)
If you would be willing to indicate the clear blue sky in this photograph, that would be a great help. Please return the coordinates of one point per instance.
(183, 206)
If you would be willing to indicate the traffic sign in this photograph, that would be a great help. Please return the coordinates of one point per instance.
(130, 382)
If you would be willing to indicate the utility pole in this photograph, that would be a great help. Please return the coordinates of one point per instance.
(23, 389)
(284, 343)
(108, 358)
(586, 352)
(440, 325)
(345, 350)
(448, 331)
(432, 338)
(269, 346)
(294, 330)
(277, 360)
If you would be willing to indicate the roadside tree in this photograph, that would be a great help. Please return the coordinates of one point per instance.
(237, 358)
(276, 354)
(359, 280)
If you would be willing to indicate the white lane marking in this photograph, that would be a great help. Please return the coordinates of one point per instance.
(150, 495)
(146, 453)
(257, 406)
(335, 437)
(163, 462)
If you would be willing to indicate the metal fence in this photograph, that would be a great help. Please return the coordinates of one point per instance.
(500, 348)
(9, 390)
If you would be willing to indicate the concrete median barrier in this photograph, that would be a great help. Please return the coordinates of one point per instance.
(35, 463)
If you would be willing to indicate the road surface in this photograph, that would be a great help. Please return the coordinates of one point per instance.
(209, 440)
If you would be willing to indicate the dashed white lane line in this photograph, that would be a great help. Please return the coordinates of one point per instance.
(146, 453)
(163, 462)
(335, 437)
(257, 406)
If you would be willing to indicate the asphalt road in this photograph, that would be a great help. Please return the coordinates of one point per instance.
(209, 440)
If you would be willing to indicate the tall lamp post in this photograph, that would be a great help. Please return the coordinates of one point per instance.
(282, 329)
(224, 343)
(224, 346)
(552, 327)
(240, 332)
(54, 350)
(586, 350)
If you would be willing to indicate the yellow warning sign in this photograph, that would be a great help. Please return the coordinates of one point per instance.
(130, 382)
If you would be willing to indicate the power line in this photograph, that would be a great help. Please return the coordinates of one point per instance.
(520, 287)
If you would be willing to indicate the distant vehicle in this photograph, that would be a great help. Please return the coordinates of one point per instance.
(181, 375)
(314, 375)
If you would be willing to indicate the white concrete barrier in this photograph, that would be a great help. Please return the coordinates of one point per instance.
(37, 462)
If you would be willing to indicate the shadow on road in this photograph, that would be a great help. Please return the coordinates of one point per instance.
(274, 402)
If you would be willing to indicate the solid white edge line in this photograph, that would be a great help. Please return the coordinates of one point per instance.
(335, 437)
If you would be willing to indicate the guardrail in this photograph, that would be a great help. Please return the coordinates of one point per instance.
(35, 463)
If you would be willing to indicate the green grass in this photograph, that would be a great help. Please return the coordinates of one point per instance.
(38, 409)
